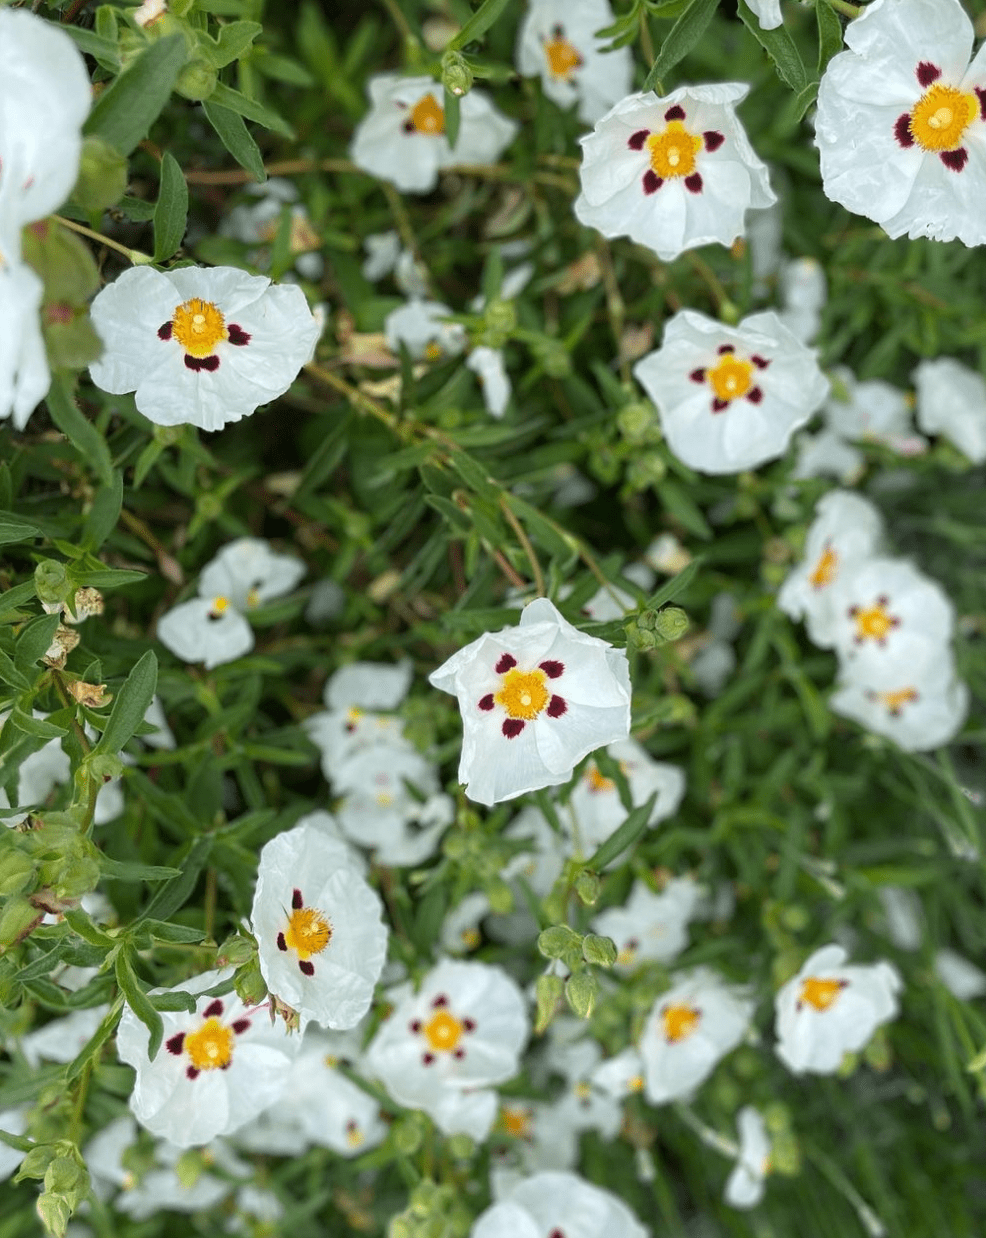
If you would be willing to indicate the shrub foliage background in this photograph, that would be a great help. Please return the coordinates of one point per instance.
(424, 511)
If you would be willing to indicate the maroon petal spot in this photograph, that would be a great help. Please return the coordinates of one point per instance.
(192, 1072)
(458, 1054)
(552, 669)
(556, 707)
(636, 140)
(754, 395)
(202, 363)
(237, 335)
(174, 1044)
(439, 1001)
(557, 1233)
(487, 702)
(164, 331)
(408, 126)
(213, 1010)
(512, 727)
(712, 139)
(469, 1024)
(981, 94)
(296, 900)
(902, 130)
(718, 405)
(306, 968)
(415, 1026)
(241, 1026)
(427, 1059)
(652, 182)
(675, 113)
(724, 348)
(927, 73)
(506, 663)
(697, 376)
(760, 362)
(281, 943)
(693, 183)
(954, 160)
(226, 1066)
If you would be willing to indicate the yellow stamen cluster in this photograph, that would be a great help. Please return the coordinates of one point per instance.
(820, 993)
(211, 1047)
(672, 153)
(428, 117)
(679, 1022)
(443, 1031)
(524, 693)
(308, 932)
(198, 326)
(941, 116)
(730, 378)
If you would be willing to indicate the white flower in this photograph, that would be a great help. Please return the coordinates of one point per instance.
(846, 531)
(919, 709)
(535, 699)
(621, 1075)
(488, 366)
(584, 1106)
(803, 290)
(666, 554)
(443, 1047)
(149, 12)
(767, 12)
(827, 454)
(672, 173)
(963, 979)
(744, 1187)
(213, 627)
(541, 1137)
(354, 696)
(650, 926)
(402, 138)
(382, 251)
(24, 375)
(260, 221)
(14, 1122)
(899, 126)
(460, 928)
(889, 620)
(62, 1039)
(873, 412)
(421, 327)
(730, 398)
(200, 346)
(902, 912)
(557, 40)
(831, 1008)
(331, 1110)
(319, 928)
(697, 1022)
(552, 1203)
(216, 1069)
(952, 403)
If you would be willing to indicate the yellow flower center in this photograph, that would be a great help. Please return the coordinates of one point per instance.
(582, 1090)
(428, 117)
(433, 350)
(253, 597)
(627, 955)
(825, 569)
(636, 1083)
(470, 938)
(220, 606)
(384, 799)
(211, 1047)
(679, 1022)
(672, 153)
(516, 1121)
(894, 702)
(443, 1031)
(731, 377)
(874, 622)
(941, 117)
(596, 781)
(563, 59)
(198, 326)
(523, 694)
(354, 1136)
(308, 932)
(821, 993)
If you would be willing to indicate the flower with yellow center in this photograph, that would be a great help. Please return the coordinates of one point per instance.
(894, 701)
(443, 1031)
(820, 994)
(940, 118)
(679, 1022)
(524, 694)
(596, 782)
(672, 153)
(563, 58)
(873, 622)
(198, 326)
(825, 569)
(730, 378)
(516, 1121)
(308, 932)
(426, 117)
(211, 1047)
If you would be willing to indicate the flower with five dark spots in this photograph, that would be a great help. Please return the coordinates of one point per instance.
(210, 1046)
(672, 173)
(535, 699)
(200, 346)
(901, 123)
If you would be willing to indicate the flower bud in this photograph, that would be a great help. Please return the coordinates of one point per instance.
(646, 470)
(457, 77)
(197, 80)
(66, 1177)
(672, 623)
(580, 990)
(249, 984)
(35, 1163)
(639, 637)
(500, 896)
(102, 179)
(637, 421)
(17, 919)
(55, 1214)
(558, 941)
(599, 950)
(409, 1131)
(462, 1146)
(587, 886)
(499, 320)
(235, 951)
(548, 992)
(51, 583)
(16, 872)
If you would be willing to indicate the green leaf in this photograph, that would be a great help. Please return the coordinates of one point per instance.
(15, 529)
(780, 47)
(108, 577)
(478, 24)
(104, 49)
(829, 33)
(95, 1043)
(12, 599)
(35, 640)
(119, 870)
(171, 212)
(139, 1002)
(625, 836)
(235, 136)
(683, 507)
(175, 893)
(452, 117)
(104, 513)
(38, 727)
(677, 584)
(232, 42)
(80, 924)
(9, 674)
(82, 434)
(136, 209)
(130, 705)
(681, 38)
(226, 96)
(125, 111)
(175, 933)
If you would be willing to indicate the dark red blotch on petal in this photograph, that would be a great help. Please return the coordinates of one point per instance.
(697, 376)
(281, 943)
(506, 663)
(902, 130)
(306, 968)
(718, 405)
(713, 139)
(724, 348)
(675, 113)
(693, 183)
(202, 363)
(213, 1010)
(652, 182)
(981, 96)
(241, 1026)
(439, 1001)
(760, 362)
(192, 1072)
(954, 160)
(469, 1024)
(175, 1044)
(512, 727)
(755, 395)
(237, 335)
(556, 707)
(927, 72)
(296, 900)
(164, 331)
(552, 669)
(636, 140)
(486, 703)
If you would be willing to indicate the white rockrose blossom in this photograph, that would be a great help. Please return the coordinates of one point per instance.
(391, 802)
(354, 697)
(557, 1202)
(490, 368)
(557, 40)
(320, 933)
(460, 928)
(919, 707)
(584, 1105)
(902, 913)
(443, 1048)
(745, 1185)
(535, 699)
(650, 927)
(872, 412)
(200, 346)
(382, 252)
(729, 398)
(213, 628)
(540, 1137)
(963, 979)
(63, 1039)
(666, 554)
(900, 127)
(690, 1028)
(831, 1008)
(890, 620)
(827, 454)
(259, 222)
(331, 1110)
(803, 290)
(402, 137)
(846, 531)
(767, 13)
(672, 173)
(423, 329)
(621, 1075)
(951, 402)
(217, 1068)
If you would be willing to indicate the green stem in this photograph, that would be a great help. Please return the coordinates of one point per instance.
(844, 7)
(525, 543)
(132, 255)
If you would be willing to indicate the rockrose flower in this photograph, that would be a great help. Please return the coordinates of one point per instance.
(535, 699)
(556, 1202)
(729, 398)
(650, 926)
(952, 403)
(672, 173)
(200, 346)
(901, 122)
(919, 709)
(744, 1186)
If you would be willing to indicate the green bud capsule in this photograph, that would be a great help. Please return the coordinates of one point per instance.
(559, 940)
(587, 887)
(548, 993)
(189, 1167)
(35, 1164)
(16, 872)
(197, 80)
(235, 951)
(639, 637)
(168, 436)
(599, 950)
(66, 1177)
(409, 1132)
(499, 320)
(646, 470)
(17, 919)
(638, 422)
(457, 77)
(580, 990)
(462, 1147)
(55, 1214)
(672, 623)
(102, 179)
(249, 984)
(51, 583)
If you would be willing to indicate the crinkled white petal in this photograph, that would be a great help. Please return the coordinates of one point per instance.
(951, 401)
(190, 631)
